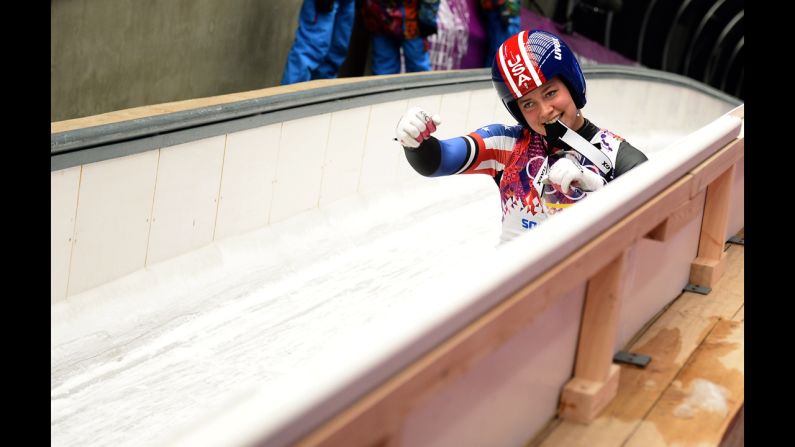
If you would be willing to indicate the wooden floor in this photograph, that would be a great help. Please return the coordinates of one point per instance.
(692, 393)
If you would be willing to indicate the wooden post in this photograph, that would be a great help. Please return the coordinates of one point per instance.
(595, 381)
(710, 263)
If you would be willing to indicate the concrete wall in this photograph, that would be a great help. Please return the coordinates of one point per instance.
(110, 55)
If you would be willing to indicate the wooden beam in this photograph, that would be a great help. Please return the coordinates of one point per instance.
(678, 219)
(599, 326)
(581, 399)
(595, 380)
(706, 272)
(710, 262)
(658, 233)
(662, 206)
(714, 166)
(716, 216)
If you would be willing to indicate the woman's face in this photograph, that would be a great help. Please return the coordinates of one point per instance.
(547, 103)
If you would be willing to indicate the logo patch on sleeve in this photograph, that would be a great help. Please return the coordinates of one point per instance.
(607, 140)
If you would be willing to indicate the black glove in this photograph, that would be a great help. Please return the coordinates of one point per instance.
(324, 6)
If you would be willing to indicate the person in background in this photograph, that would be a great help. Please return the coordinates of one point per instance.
(502, 19)
(550, 158)
(451, 42)
(321, 41)
(396, 25)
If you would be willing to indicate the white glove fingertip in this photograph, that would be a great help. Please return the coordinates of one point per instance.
(409, 132)
(413, 129)
(564, 185)
(574, 175)
(437, 119)
(418, 124)
(553, 176)
(593, 180)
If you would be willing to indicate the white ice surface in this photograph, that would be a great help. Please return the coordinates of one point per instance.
(131, 364)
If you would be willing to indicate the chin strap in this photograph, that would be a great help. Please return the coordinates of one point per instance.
(558, 130)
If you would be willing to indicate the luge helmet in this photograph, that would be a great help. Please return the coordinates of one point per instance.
(527, 60)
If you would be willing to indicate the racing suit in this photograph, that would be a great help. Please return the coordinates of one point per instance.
(516, 158)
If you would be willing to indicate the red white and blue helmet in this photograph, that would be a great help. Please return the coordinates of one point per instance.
(527, 60)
